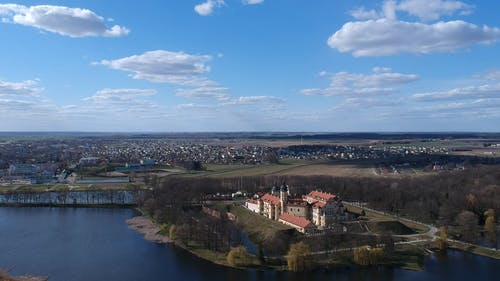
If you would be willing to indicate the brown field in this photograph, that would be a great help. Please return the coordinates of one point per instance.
(328, 170)
(302, 168)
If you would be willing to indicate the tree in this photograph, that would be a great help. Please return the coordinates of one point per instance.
(468, 223)
(442, 243)
(239, 257)
(299, 257)
(388, 242)
(271, 157)
(489, 225)
(471, 201)
(171, 232)
(367, 255)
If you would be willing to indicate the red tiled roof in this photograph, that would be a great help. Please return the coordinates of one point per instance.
(297, 202)
(318, 204)
(294, 220)
(271, 199)
(322, 195)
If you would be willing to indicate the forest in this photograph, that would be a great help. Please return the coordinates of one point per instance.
(465, 202)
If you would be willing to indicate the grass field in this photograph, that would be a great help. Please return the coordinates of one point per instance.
(257, 227)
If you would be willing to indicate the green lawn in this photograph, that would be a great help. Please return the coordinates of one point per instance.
(256, 226)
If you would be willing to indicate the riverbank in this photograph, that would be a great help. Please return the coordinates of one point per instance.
(148, 228)
(4, 276)
(408, 259)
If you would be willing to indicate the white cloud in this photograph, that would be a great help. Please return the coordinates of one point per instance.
(120, 96)
(346, 91)
(391, 37)
(389, 9)
(492, 75)
(73, 22)
(194, 106)
(252, 2)
(15, 105)
(429, 10)
(362, 14)
(25, 88)
(207, 8)
(381, 76)
(472, 92)
(247, 100)
(165, 67)
(345, 83)
(219, 93)
(364, 103)
(127, 92)
(379, 69)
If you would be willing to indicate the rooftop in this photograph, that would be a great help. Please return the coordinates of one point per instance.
(296, 221)
(323, 196)
(271, 199)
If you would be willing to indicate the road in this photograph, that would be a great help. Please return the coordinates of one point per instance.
(432, 232)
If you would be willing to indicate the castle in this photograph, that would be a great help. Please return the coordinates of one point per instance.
(316, 210)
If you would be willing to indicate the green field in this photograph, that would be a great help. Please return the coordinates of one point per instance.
(257, 227)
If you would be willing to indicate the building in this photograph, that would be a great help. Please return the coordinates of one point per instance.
(316, 210)
(23, 169)
(88, 161)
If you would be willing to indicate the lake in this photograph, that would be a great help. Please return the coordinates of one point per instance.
(94, 244)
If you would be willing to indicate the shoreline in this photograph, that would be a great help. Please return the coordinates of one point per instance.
(149, 229)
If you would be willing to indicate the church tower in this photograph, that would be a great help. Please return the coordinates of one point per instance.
(283, 197)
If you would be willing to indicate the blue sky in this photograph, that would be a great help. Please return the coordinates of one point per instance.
(250, 65)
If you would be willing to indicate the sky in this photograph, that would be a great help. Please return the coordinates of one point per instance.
(250, 65)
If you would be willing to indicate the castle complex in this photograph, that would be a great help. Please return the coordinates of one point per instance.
(316, 210)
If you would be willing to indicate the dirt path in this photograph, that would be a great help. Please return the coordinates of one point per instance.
(148, 228)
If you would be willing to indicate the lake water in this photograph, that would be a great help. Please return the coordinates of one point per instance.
(69, 244)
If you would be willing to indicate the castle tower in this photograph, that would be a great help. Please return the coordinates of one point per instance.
(283, 197)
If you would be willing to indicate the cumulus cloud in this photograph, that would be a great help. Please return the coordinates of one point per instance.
(218, 93)
(207, 8)
(252, 2)
(380, 33)
(378, 82)
(427, 10)
(386, 37)
(434, 9)
(73, 22)
(24, 88)
(165, 67)
(472, 92)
